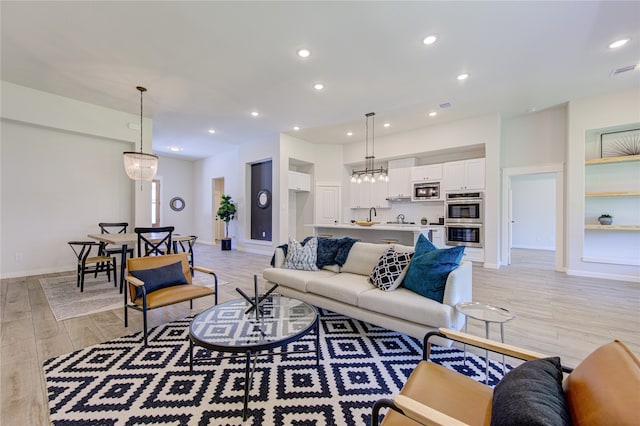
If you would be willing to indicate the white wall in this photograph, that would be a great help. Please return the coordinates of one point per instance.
(584, 115)
(61, 174)
(534, 199)
(176, 177)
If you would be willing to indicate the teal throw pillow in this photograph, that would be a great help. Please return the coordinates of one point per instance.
(428, 271)
(157, 278)
(423, 245)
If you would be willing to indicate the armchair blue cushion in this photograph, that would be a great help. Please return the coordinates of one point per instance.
(157, 278)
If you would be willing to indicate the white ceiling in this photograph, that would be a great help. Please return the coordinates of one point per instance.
(209, 64)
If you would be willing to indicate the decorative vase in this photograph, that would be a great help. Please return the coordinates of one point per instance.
(605, 220)
(225, 244)
(423, 221)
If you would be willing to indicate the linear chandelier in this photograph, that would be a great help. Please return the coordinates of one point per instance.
(370, 173)
(138, 165)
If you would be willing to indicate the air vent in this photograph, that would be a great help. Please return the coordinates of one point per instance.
(623, 70)
(445, 105)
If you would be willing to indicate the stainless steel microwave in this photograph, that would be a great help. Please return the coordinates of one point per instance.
(425, 191)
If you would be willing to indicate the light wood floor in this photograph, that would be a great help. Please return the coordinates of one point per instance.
(557, 314)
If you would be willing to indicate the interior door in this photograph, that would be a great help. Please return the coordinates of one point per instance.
(327, 204)
(218, 225)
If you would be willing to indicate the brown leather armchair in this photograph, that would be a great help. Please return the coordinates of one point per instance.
(146, 294)
(603, 389)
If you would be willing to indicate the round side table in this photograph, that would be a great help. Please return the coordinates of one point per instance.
(489, 314)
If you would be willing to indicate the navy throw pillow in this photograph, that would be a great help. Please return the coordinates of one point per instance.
(157, 278)
(531, 394)
(428, 271)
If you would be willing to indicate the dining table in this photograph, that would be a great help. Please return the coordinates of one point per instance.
(127, 239)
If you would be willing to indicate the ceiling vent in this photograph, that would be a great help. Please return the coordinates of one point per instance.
(621, 70)
(445, 105)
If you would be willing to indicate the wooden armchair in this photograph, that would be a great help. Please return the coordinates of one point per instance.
(603, 389)
(158, 281)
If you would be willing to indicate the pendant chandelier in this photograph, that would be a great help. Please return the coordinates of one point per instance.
(370, 173)
(138, 165)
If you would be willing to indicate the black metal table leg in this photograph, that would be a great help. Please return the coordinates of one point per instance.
(246, 387)
(190, 356)
(123, 264)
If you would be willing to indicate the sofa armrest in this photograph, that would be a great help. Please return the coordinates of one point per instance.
(424, 414)
(278, 258)
(458, 288)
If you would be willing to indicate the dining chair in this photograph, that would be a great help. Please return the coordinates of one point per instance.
(154, 241)
(87, 264)
(187, 247)
(114, 228)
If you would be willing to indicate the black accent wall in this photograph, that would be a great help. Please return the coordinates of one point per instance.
(261, 179)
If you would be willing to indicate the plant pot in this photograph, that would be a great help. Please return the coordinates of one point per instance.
(423, 221)
(225, 244)
(605, 220)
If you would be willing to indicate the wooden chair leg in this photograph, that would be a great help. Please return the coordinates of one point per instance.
(115, 280)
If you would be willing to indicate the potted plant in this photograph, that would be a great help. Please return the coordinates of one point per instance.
(605, 219)
(423, 220)
(226, 212)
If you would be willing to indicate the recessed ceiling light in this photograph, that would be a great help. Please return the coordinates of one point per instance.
(619, 43)
(212, 131)
(463, 77)
(430, 39)
(387, 125)
(175, 148)
(296, 128)
(304, 53)
(318, 86)
(255, 113)
(349, 133)
(433, 114)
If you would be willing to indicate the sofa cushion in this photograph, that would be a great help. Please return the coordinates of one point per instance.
(302, 257)
(343, 287)
(296, 279)
(390, 269)
(405, 304)
(160, 277)
(363, 257)
(428, 272)
(604, 388)
(531, 394)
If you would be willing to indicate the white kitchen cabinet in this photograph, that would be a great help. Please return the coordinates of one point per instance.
(430, 172)
(366, 195)
(465, 174)
(300, 182)
(435, 235)
(400, 185)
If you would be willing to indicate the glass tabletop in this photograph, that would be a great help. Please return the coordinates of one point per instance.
(485, 312)
(227, 327)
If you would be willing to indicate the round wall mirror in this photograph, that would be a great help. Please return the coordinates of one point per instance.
(176, 204)
(264, 198)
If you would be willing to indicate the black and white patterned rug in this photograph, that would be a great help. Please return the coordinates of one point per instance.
(122, 382)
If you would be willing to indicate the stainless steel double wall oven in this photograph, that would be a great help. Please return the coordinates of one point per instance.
(464, 217)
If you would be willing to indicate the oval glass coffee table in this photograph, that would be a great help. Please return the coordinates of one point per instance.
(236, 328)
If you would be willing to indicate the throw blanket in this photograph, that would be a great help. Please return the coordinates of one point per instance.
(331, 251)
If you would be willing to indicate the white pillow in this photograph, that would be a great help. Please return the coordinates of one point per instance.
(302, 257)
(390, 269)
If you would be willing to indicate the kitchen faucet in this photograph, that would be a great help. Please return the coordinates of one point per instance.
(374, 212)
(400, 218)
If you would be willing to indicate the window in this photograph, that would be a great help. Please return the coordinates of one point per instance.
(155, 203)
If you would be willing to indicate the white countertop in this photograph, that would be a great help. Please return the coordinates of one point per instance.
(378, 226)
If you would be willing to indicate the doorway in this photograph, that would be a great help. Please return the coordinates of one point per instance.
(217, 190)
(517, 185)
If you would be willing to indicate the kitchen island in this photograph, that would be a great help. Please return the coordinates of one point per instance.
(405, 234)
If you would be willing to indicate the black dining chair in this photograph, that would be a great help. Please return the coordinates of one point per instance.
(87, 264)
(154, 241)
(114, 228)
(187, 247)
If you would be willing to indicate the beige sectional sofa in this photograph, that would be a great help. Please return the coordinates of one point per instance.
(346, 290)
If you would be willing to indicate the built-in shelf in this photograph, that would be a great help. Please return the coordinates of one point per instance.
(613, 227)
(609, 160)
(613, 194)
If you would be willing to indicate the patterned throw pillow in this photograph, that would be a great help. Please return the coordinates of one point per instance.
(302, 257)
(390, 269)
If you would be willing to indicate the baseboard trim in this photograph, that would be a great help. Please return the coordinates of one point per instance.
(615, 277)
